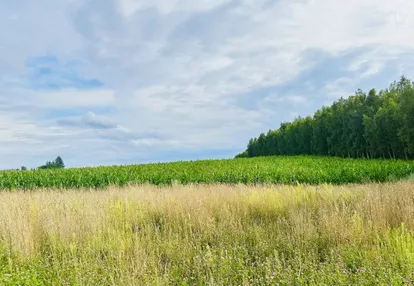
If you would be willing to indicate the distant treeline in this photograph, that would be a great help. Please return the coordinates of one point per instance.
(374, 125)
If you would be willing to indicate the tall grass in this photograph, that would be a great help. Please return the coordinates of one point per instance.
(216, 235)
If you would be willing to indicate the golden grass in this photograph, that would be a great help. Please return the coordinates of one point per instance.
(209, 234)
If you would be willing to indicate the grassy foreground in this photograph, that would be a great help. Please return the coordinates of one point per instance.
(278, 169)
(216, 235)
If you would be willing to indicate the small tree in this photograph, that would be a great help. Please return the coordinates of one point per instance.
(59, 163)
(56, 164)
(23, 168)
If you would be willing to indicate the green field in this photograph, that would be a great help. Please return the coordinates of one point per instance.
(280, 170)
(298, 220)
(210, 235)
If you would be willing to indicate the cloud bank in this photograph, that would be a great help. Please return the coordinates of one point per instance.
(131, 81)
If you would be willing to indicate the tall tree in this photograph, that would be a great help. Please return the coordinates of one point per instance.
(59, 162)
(373, 125)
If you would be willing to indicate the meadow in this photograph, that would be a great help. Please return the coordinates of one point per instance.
(209, 234)
(273, 170)
(293, 220)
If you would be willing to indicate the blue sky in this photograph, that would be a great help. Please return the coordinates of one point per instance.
(104, 82)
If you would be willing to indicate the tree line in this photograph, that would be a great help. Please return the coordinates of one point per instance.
(374, 125)
(55, 164)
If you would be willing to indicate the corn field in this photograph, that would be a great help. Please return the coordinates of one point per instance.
(262, 170)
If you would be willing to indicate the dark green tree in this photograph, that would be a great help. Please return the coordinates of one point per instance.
(374, 125)
(56, 164)
(59, 163)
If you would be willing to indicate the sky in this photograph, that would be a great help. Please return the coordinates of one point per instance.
(115, 82)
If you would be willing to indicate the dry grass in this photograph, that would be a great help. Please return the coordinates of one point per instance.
(214, 234)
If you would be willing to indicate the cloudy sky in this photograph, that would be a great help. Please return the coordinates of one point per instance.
(131, 81)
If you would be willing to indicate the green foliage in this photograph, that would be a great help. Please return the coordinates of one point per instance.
(59, 162)
(242, 155)
(377, 125)
(56, 164)
(280, 169)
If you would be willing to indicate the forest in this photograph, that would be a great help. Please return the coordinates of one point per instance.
(374, 125)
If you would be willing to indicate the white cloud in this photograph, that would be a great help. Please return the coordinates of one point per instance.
(129, 7)
(178, 67)
(73, 98)
(295, 99)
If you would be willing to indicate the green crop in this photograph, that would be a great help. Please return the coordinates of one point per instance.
(279, 170)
